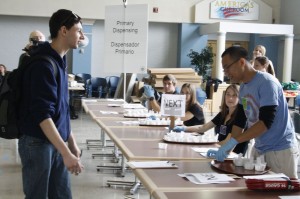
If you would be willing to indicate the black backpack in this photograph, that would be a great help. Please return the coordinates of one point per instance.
(10, 97)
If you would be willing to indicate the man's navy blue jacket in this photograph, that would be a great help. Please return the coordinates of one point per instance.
(44, 95)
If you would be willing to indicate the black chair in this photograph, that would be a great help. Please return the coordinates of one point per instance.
(82, 78)
(112, 85)
(296, 120)
(107, 80)
(97, 87)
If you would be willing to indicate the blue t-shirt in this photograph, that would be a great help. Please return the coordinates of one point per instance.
(265, 90)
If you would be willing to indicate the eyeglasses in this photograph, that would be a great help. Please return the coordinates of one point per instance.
(228, 66)
(75, 16)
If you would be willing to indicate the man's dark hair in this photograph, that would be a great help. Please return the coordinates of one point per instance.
(61, 18)
(236, 52)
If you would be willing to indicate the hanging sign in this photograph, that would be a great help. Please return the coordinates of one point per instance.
(173, 105)
(236, 9)
(126, 38)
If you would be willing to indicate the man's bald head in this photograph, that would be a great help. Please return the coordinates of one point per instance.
(37, 36)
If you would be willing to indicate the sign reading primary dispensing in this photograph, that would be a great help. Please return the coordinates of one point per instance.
(126, 38)
(173, 105)
(235, 9)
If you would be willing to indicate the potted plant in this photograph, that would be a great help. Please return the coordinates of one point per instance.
(202, 61)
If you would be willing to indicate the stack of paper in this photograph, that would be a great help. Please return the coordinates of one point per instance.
(114, 105)
(203, 152)
(108, 112)
(115, 100)
(151, 164)
(90, 100)
(267, 176)
(207, 178)
(135, 122)
(133, 106)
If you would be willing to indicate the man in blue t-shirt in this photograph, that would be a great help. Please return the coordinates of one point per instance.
(263, 105)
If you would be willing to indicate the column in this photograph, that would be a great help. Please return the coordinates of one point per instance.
(221, 41)
(287, 58)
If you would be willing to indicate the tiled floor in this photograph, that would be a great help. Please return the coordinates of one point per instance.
(88, 185)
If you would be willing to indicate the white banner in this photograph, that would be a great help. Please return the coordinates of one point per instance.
(173, 105)
(235, 9)
(126, 38)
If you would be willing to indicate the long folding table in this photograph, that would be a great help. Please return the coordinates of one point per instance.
(165, 183)
(139, 143)
(222, 194)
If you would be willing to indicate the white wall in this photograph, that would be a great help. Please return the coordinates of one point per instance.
(14, 36)
(290, 15)
(173, 11)
(162, 36)
(168, 10)
(162, 47)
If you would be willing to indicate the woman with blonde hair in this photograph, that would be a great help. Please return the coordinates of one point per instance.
(193, 111)
(223, 121)
(258, 51)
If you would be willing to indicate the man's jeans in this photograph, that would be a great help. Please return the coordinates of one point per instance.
(44, 173)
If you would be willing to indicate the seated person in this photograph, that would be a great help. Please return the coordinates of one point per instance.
(260, 51)
(169, 83)
(193, 111)
(263, 64)
(223, 121)
(3, 73)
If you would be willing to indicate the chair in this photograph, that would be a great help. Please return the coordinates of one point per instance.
(77, 95)
(97, 87)
(112, 85)
(296, 120)
(107, 79)
(297, 102)
(82, 78)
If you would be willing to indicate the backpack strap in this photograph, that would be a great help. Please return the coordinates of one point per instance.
(47, 58)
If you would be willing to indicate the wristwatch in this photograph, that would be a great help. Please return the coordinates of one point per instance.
(151, 98)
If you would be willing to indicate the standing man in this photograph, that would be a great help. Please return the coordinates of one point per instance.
(35, 38)
(264, 107)
(47, 148)
(169, 84)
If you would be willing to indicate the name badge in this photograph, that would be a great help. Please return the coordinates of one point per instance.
(223, 129)
(244, 103)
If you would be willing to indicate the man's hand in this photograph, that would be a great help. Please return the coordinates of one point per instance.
(148, 91)
(223, 151)
(73, 164)
(75, 150)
